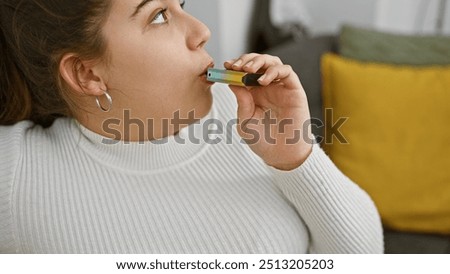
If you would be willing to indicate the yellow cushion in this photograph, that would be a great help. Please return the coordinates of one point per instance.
(398, 135)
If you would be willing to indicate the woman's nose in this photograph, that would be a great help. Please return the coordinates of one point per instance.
(197, 33)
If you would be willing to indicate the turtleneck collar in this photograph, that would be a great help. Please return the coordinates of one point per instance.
(148, 156)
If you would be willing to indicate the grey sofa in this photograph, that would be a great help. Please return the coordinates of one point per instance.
(304, 55)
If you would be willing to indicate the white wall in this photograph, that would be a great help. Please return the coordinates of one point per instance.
(401, 16)
(229, 19)
(207, 11)
(234, 22)
(327, 16)
(410, 16)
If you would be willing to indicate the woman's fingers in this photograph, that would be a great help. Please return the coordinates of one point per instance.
(241, 61)
(229, 64)
(252, 62)
(272, 67)
(282, 73)
(246, 104)
(261, 62)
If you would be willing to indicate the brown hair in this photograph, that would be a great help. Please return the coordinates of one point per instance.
(34, 36)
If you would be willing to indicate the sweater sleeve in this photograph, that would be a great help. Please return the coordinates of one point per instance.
(10, 141)
(340, 216)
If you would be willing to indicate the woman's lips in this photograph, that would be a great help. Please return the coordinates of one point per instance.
(205, 71)
(211, 65)
(205, 79)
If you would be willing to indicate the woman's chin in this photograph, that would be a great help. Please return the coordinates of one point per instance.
(204, 105)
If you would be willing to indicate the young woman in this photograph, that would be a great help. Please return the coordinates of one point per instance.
(104, 109)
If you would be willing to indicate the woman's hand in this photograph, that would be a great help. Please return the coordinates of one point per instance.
(273, 118)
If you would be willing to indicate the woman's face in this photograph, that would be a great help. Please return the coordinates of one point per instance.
(157, 59)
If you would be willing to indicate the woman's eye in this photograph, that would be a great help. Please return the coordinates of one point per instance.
(160, 18)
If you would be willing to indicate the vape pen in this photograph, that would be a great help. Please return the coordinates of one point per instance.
(231, 77)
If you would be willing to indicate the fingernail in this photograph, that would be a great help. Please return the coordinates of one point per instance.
(238, 63)
(262, 78)
(249, 64)
(230, 61)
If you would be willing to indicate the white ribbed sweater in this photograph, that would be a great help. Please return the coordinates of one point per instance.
(63, 191)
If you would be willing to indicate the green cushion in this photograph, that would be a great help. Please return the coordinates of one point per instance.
(374, 46)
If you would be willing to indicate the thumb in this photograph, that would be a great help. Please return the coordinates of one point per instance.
(246, 105)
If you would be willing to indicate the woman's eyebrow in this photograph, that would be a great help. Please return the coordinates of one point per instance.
(139, 8)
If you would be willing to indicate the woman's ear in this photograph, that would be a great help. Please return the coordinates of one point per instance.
(81, 76)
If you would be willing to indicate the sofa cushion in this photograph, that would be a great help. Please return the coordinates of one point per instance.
(374, 46)
(398, 138)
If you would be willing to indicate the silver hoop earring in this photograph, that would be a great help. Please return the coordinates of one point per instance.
(110, 102)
